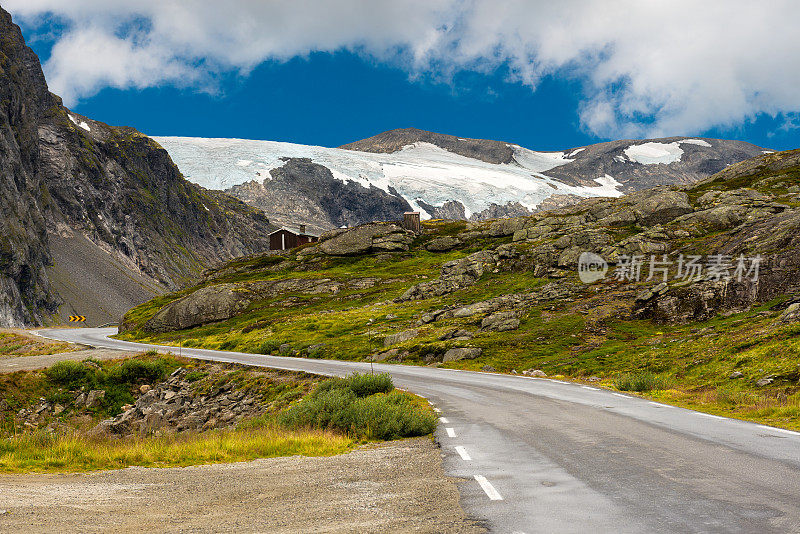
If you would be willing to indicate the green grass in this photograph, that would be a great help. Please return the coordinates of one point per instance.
(42, 452)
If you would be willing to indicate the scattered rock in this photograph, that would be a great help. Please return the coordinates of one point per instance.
(144, 388)
(500, 322)
(462, 353)
(373, 237)
(399, 337)
(736, 374)
(594, 379)
(456, 333)
(383, 356)
(488, 369)
(791, 314)
(535, 372)
(767, 380)
(94, 397)
(442, 244)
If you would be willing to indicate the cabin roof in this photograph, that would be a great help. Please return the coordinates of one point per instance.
(295, 231)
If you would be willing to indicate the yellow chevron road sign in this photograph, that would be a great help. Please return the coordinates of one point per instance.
(77, 318)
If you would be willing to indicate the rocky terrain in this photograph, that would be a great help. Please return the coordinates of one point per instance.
(442, 176)
(79, 195)
(507, 294)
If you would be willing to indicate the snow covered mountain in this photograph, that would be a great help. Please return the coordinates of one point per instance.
(436, 174)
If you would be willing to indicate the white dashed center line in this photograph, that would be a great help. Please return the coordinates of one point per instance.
(450, 432)
(488, 488)
(621, 395)
(590, 387)
(463, 453)
(444, 420)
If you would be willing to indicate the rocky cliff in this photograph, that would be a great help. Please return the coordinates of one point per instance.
(25, 293)
(106, 203)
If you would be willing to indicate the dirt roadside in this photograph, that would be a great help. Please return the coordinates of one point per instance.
(393, 487)
(30, 363)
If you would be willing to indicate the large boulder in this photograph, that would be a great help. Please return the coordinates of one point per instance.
(502, 321)
(399, 337)
(462, 353)
(371, 237)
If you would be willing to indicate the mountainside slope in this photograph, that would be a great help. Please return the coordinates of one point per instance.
(25, 293)
(507, 294)
(440, 175)
(113, 200)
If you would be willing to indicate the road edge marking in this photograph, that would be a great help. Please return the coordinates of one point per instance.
(488, 489)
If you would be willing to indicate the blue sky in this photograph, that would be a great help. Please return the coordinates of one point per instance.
(349, 86)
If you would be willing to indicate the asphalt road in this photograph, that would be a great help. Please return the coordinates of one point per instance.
(539, 455)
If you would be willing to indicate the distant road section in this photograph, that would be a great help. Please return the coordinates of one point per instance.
(539, 455)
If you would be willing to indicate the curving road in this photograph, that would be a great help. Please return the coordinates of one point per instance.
(539, 455)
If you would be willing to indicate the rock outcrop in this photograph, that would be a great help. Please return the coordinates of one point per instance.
(374, 237)
(110, 198)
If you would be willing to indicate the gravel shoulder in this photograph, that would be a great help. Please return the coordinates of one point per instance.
(30, 363)
(393, 487)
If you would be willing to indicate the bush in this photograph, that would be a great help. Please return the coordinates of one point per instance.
(360, 385)
(363, 406)
(268, 347)
(133, 371)
(640, 382)
(70, 374)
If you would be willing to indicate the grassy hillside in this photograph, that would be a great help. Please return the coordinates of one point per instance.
(510, 288)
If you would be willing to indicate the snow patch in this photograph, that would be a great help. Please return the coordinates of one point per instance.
(80, 124)
(698, 142)
(244, 162)
(654, 153)
(576, 151)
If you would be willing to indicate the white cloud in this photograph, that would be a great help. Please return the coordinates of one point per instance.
(648, 67)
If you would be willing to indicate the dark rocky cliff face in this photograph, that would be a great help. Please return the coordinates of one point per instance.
(25, 293)
(301, 190)
(121, 189)
(110, 197)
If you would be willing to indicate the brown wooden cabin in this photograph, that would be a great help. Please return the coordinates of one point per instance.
(287, 238)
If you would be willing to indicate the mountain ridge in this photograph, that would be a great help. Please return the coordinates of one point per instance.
(92, 210)
(442, 176)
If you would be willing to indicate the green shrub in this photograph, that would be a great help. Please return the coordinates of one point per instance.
(71, 374)
(363, 406)
(360, 385)
(135, 370)
(268, 347)
(641, 382)
(366, 385)
(194, 376)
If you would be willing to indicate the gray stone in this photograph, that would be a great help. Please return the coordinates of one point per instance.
(462, 353)
(488, 369)
(399, 337)
(791, 314)
(94, 397)
(761, 382)
(736, 374)
(456, 333)
(502, 321)
(442, 244)
(366, 238)
(535, 372)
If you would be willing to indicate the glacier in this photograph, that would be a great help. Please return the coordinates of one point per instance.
(418, 172)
